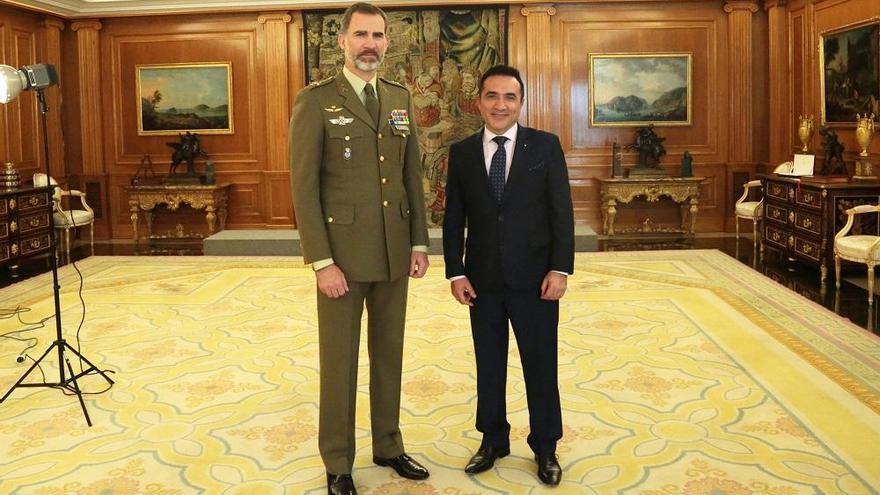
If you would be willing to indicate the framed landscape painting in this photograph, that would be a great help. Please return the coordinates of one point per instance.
(185, 97)
(850, 70)
(636, 89)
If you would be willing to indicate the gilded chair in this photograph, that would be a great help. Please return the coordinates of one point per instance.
(858, 248)
(66, 219)
(750, 210)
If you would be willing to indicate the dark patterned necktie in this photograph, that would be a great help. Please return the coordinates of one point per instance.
(496, 169)
(371, 103)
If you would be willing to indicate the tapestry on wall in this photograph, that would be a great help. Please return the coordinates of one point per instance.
(439, 54)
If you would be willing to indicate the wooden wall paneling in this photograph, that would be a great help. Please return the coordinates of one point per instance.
(239, 39)
(740, 45)
(540, 67)
(742, 98)
(90, 111)
(296, 62)
(247, 199)
(28, 38)
(5, 154)
(52, 29)
(779, 81)
(24, 41)
(517, 54)
(760, 85)
(277, 114)
(699, 29)
(830, 15)
(90, 104)
(20, 36)
(713, 211)
(800, 93)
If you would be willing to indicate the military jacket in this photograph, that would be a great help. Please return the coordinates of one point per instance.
(357, 189)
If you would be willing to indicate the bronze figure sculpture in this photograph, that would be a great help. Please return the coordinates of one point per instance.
(187, 150)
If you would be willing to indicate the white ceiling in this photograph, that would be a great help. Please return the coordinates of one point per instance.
(117, 8)
(112, 8)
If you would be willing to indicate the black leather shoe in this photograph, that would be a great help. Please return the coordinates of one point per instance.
(485, 458)
(405, 466)
(340, 484)
(549, 470)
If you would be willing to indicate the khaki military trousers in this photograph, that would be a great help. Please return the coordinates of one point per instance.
(339, 329)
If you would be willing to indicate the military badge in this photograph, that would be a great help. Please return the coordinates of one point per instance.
(346, 153)
(400, 120)
(342, 120)
(333, 109)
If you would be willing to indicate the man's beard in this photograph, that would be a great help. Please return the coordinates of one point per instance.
(368, 65)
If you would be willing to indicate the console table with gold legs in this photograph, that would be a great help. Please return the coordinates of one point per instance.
(683, 190)
(145, 198)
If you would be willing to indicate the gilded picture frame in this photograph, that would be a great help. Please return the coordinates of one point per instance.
(175, 98)
(849, 65)
(637, 89)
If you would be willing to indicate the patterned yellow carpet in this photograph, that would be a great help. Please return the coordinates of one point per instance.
(682, 372)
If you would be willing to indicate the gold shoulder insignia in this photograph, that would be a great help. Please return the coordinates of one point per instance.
(393, 83)
(322, 82)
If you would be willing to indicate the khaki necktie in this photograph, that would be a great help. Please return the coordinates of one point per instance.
(372, 103)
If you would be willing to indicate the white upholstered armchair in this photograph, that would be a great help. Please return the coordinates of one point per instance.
(71, 218)
(858, 248)
(750, 210)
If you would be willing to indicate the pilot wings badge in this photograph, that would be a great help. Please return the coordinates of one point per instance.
(342, 120)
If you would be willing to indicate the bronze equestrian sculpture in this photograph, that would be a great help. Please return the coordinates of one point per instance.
(188, 149)
(650, 147)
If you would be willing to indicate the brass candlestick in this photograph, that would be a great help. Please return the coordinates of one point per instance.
(865, 127)
(805, 131)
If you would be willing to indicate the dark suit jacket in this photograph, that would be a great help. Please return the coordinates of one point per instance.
(530, 233)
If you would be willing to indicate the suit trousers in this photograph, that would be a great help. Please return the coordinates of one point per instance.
(339, 330)
(534, 322)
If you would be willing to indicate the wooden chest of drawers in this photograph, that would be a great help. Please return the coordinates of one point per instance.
(25, 224)
(801, 217)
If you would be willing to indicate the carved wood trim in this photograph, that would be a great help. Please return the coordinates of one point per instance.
(778, 81)
(52, 30)
(88, 57)
(740, 50)
(731, 6)
(540, 66)
(275, 26)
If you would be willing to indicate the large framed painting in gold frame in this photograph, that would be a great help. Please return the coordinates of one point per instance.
(194, 97)
(637, 89)
(849, 57)
(439, 55)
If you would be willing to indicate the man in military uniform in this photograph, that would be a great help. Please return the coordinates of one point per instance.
(357, 192)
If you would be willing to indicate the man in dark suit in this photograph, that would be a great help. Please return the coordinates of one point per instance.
(360, 211)
(509, 185)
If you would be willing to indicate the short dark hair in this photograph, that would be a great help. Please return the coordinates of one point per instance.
(504, 70)
(362, 8)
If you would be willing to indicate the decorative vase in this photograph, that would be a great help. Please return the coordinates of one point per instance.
(805, 131)
(9, 178)
(864, 132)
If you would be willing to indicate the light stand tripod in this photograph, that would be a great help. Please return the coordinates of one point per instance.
(65, 381)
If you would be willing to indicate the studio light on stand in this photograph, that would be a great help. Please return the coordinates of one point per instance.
(13, 81)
